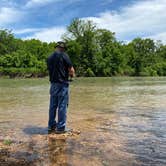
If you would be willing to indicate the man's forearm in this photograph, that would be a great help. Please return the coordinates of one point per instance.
(72, 72)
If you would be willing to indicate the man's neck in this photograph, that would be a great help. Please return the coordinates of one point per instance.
(59, 51)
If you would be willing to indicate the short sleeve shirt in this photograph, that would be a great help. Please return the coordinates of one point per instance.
(58, 66)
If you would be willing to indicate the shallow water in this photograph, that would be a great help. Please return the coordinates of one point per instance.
(122, 122)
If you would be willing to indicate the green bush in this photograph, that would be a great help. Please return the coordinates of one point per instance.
(89, 73)
(148, 71)
(160, 68)
(128, 71)
(93, 51)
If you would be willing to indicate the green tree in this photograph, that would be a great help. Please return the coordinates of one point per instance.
(94, 52)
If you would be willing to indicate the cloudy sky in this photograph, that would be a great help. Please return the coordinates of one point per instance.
(47, 19)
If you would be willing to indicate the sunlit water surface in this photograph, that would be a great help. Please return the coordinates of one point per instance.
(122, 122)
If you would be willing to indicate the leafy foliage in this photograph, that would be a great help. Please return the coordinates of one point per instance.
(93, 51)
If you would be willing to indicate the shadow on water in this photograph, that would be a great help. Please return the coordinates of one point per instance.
(47, 149)
(34, 130)
(41, 149)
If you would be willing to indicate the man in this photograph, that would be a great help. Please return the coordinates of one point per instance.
(60, 68)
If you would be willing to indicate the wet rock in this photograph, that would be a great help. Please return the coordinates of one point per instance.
(73, 133)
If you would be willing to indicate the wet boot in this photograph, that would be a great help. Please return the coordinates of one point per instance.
(60, 131)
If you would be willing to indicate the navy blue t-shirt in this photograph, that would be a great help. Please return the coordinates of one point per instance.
(58, 66)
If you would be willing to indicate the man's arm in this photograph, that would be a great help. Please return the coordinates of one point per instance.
(50, 66)
(71, 72)
(69, 65)
(49, 62)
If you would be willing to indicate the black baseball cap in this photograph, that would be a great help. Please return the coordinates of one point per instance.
(61, 44)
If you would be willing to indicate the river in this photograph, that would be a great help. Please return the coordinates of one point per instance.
(122, 122)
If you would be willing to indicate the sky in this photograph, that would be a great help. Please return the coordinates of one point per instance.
(47, 20)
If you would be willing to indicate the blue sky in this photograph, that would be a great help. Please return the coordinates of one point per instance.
(47, 19)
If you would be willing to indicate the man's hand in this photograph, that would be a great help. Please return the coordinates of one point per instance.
(72, 72)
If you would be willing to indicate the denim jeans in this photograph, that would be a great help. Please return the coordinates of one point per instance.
(59, 94)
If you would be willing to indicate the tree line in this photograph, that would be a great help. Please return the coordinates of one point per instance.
(93, 51)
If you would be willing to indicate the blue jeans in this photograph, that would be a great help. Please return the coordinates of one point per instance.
(59, 95)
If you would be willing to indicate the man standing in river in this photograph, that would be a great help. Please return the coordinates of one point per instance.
(60, 68)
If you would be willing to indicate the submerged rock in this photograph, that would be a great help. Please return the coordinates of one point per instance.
(73, 133)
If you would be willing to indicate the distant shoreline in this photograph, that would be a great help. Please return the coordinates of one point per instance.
(46, 76)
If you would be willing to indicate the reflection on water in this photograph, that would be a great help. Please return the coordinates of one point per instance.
(57, 151)
(122, 122)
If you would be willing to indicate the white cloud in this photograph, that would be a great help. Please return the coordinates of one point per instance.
(37, 3)
(9, 15)
(159, 36)
(139, 19)
(34, 3)
(144, 18)
(27, 30)
(48, 35)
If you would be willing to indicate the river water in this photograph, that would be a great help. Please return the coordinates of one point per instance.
(122, 122)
